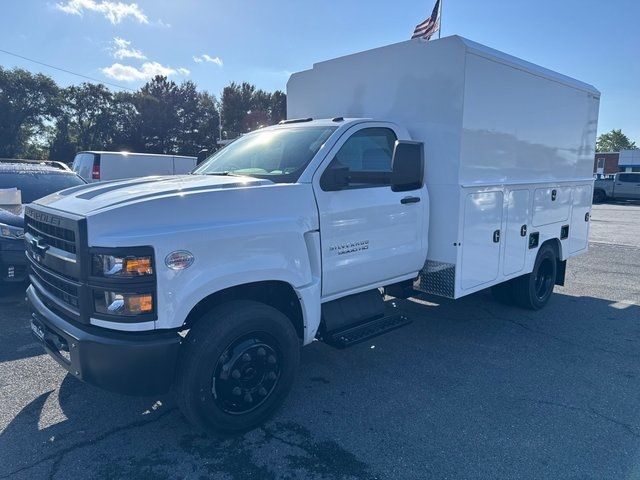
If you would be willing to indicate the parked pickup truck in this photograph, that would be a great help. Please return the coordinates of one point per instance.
(443, 167)
(623, 186)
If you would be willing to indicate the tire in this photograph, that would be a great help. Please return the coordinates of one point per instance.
(237, 366)
(503, 292)
(599, 196)
(533, 291)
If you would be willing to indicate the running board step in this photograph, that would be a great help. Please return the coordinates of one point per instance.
(369, 329)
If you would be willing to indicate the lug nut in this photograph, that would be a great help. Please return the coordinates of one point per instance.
(261, 352)
(271, 375)
(235, 374)
(262, 392)
(271, 359)
(236, 391)
(246, 357)
(248, 398)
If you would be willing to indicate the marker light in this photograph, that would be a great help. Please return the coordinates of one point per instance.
(179, 260)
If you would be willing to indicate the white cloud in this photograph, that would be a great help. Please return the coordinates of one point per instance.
(208, 58)
(148, 70)
(122, 49)
(115, 12)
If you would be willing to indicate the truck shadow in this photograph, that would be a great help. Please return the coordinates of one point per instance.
(455, 383)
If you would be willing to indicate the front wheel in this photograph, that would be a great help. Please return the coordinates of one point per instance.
(599, 196)
(534, 290)
(237, 367)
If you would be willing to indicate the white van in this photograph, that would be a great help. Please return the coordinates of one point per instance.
(95, 166)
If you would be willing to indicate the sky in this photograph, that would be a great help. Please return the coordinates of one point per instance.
(214, 42)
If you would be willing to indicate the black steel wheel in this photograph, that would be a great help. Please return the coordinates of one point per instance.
(599, 195)
(246, 373)
(237, 366)
(534, 290)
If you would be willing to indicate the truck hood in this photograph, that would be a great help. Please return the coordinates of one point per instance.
(91, 198)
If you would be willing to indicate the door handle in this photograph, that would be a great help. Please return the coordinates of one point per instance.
(406, 200)
(496, 236)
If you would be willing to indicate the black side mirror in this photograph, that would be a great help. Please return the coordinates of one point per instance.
(407, 166)
(335, 178)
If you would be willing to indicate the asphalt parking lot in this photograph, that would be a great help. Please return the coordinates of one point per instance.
(470, 389)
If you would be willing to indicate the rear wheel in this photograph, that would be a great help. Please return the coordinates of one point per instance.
(237, 367)
(534, 290)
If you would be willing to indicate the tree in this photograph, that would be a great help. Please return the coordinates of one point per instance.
(27, 103)
(614, 141)
(157, 123)
(278, 106)
(62, 147)
(89, 110)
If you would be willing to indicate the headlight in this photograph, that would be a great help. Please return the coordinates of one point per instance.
(127, 304)
(122, 266)
(9, 231)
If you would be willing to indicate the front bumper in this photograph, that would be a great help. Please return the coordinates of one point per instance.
(13, 261)
(133, 363)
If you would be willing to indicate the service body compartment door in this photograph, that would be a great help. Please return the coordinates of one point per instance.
(481, 238)
(551, 205)
(579, 226)
(515, 238)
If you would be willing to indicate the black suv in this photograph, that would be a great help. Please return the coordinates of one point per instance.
(22, 183)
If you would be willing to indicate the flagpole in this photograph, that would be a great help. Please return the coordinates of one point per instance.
(440, 15)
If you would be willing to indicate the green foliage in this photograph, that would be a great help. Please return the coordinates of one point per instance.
(27, 103)
(40, 120)
(614, 141)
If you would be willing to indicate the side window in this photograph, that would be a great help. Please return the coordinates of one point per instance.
(368, 150)
(626, 177)
(364, 160)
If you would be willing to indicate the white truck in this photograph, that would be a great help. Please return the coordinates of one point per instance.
(100, 166)
(443, 167)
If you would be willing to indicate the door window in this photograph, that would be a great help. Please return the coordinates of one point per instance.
(369, 150)
(629, 178)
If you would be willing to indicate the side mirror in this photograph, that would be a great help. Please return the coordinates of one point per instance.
(335, 178)
(407, 166)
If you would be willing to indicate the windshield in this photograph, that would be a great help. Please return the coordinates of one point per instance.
(34, 184)
(279, 155)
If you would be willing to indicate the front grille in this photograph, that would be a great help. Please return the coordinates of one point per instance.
(57, 286)
(55, 236)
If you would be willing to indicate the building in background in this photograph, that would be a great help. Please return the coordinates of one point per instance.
(606, 163)
(629, 160)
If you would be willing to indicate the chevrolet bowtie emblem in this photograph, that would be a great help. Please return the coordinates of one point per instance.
(37, 243)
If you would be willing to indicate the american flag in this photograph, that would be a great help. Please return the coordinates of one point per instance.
(430, 26)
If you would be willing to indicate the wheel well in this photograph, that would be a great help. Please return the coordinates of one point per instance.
(555, 244)
(279, 295)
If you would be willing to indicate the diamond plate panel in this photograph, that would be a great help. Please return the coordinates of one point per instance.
(437, 278)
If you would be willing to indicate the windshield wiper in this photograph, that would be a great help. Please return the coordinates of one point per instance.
(224, 174)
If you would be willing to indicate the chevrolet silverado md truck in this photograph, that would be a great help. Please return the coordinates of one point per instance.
(443, 167)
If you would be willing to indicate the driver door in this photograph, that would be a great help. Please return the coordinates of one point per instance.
(370, 235)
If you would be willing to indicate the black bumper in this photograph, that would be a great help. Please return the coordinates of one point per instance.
(136, 363)
(13, 265)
